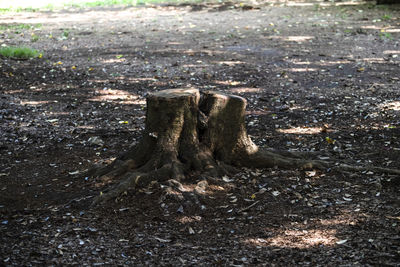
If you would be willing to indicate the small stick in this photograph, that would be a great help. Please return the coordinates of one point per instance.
(249, 207)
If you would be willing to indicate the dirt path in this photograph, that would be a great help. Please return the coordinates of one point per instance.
(317, 78)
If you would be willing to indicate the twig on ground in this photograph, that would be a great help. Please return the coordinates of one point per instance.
(249, 207)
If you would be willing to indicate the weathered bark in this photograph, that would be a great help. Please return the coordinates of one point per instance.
(187, 133)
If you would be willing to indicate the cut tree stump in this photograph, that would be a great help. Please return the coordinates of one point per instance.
(187, 133)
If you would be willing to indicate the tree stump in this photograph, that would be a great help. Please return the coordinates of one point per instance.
(185, 133)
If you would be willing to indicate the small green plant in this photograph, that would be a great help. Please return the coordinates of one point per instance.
(34, 38)
(386, 36)
(343, 14)
(386, 17)
(317, 7)
(18, 52)
(49, 7)
(28, 9)
(65, 34)
(232, 36)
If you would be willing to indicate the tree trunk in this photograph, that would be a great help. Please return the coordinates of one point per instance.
(187, 133)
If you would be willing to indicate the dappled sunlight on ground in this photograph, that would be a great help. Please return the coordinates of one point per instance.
(394, 105)
(188, 219)
(325, 232)
(122, 96)
(371, 27)
(331, 63)
(229, 63)
(195, 65)
(113, 60)
(88, 127)
(389, 52)
(34, 103)
(297, 39)
(321, 3)
(302, 69)
(302, 130)
(374, 59)
(296, 239)
(391, 30)
(240, 90)
(232, 83)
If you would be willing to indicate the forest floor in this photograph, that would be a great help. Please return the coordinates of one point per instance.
(317, 77)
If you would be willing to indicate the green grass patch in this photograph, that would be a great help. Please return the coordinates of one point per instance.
(18, 9)
(386, 17)
(34, 38)
(64, 35)
(39, 5)
(19, 52)
(42, 5)
(16, 27)
(386, 36)
(99, 3)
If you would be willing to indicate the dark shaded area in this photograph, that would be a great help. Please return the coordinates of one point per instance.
(387, 2)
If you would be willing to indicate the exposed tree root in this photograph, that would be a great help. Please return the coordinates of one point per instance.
(268, 159)
(350, 168)
(188, 134)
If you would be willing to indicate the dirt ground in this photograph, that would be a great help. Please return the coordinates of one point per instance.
(317, 77)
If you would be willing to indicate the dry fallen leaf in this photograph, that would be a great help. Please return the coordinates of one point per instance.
(275, 193)
(226, 179)
(330, 140)
(162, 240)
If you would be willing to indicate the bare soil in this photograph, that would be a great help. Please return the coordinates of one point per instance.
(317, 77)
